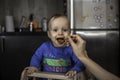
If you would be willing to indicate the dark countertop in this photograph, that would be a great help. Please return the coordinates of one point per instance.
(23, 33)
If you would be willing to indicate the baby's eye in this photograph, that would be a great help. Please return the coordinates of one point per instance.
(55, 30)
(65, 30)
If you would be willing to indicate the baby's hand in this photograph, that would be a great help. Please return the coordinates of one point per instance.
(70, 73)
(30, 70)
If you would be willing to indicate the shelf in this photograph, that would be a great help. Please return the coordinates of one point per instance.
(23, 33)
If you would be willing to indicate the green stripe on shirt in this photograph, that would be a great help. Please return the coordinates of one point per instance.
(56, 62)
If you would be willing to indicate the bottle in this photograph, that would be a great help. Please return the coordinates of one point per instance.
(29, 23)
(31, 26)
(44, 24)
(3, 29)
(22, 23)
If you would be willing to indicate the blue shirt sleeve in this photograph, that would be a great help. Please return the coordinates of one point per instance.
(37, 57)
(78, 65)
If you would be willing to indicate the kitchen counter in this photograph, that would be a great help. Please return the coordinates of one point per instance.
(23, 33)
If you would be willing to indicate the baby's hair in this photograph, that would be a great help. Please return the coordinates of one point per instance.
(55, 17)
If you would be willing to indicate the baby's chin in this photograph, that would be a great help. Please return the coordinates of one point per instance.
(60, 44)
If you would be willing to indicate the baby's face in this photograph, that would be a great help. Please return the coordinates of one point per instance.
(59, 31)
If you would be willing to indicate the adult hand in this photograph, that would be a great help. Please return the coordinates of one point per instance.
(78, 45)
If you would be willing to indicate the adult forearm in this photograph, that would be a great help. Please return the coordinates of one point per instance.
(97, 70)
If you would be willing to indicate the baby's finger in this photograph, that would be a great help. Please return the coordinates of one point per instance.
(74, 72)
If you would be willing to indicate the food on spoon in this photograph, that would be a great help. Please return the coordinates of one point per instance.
(74, 39)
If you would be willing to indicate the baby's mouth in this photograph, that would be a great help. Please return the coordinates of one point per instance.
(61, 40)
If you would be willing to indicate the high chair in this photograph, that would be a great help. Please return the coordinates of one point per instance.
(50, 76)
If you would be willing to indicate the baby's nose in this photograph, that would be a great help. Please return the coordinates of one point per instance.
(60, 32)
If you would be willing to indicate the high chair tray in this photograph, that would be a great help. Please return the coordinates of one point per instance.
(48, 75)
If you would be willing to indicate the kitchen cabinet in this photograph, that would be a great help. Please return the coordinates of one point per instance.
(16, 50)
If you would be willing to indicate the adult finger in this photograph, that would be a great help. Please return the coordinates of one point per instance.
(71, 41)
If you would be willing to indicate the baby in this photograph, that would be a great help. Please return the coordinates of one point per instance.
(54, 55)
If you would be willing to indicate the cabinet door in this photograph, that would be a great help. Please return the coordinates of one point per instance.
(1, 48)
(18, 51)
